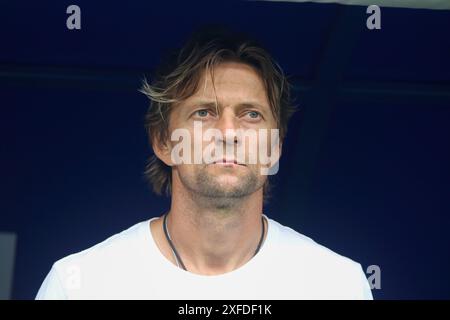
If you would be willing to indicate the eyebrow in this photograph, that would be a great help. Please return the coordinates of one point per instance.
(242, 105)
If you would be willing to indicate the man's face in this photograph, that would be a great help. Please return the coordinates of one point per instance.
(242, 103)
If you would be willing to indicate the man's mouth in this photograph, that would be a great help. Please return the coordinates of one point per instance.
(228, 162)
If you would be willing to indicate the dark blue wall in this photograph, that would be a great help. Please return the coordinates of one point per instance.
(365, 168)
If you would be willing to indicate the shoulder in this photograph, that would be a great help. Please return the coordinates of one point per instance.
(288, 239)
(117, 247)
(120, 252)
(318, 266)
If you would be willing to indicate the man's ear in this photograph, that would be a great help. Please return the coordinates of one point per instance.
(163, 151)
(281, 148)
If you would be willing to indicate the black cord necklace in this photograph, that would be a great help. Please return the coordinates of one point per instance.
(177, 256)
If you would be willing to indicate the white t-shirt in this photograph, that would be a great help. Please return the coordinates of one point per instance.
(129, 265)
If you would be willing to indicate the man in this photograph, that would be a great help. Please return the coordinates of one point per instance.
(214, 242)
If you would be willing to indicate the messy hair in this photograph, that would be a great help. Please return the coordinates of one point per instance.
(178, 78)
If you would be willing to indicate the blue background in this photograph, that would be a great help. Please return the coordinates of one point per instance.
(365, 168)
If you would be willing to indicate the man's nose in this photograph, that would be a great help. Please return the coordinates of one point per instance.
(228, 123)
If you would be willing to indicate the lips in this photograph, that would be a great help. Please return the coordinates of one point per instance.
(228, 162)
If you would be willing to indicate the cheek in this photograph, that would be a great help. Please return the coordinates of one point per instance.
(187, 169)
(192, 172)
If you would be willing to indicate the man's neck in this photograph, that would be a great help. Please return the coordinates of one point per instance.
(215, 239)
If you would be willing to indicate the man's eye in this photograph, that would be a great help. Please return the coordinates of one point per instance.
(254, 114)
(202, 113)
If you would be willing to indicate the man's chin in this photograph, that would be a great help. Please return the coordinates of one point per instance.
(223, 183)
(229, 179)
(228, 188)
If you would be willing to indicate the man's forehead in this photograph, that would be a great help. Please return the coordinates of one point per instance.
(232, 81)
(230, 73)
